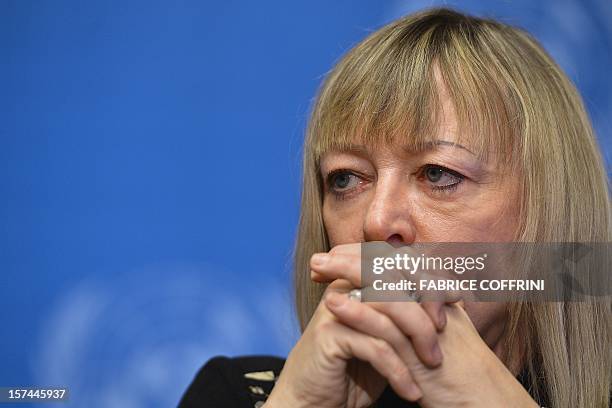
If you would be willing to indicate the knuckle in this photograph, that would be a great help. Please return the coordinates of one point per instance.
(322, 330)
(425, 324)
(354, 311)
(346, 261)
(321, 309)
(400, 373)
(338, 260)
(381, 348)
(383, 323)
(328, 292)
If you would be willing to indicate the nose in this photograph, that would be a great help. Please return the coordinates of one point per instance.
(390, 214)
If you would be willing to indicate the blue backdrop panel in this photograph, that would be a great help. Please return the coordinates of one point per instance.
(149, 161)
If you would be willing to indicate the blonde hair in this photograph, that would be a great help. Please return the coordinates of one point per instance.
(513, 101)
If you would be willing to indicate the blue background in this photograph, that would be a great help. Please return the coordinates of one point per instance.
(149, 175)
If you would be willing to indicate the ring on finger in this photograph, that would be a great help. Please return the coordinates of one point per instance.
(355, 294)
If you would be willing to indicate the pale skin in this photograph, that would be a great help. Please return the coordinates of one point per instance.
(441, 355)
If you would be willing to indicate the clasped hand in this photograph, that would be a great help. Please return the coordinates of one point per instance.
(428, 352)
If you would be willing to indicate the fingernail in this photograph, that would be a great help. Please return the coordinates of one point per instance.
(335, 300)
(436, 353)
(415, 392)
(319, 259)
(442, 319)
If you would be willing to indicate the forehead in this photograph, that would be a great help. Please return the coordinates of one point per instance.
(435, 109)
(444, 132)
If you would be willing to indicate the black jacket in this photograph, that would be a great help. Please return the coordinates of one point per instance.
(246, 382)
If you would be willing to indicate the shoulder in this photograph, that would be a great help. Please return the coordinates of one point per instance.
(233, 382)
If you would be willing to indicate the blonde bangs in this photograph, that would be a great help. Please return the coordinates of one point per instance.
(388, 90)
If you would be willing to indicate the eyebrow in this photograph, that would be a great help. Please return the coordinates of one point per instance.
(428, 145)
(447, 143)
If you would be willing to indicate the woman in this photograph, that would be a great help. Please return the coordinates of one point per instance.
(439, 127)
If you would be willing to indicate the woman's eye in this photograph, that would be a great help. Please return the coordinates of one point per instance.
(441, 178)
(343, 181)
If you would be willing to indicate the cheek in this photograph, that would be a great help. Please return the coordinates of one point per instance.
(455, 223)
(344, 221)
(474, 227)
(487, 218)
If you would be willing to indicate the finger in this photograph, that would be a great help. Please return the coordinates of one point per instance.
(381, 356)
(326, 267)
(367, 320)
(340, 285)
(412, 320)
(354, 248)
(460, 303)
(436, 312)
(433, 301)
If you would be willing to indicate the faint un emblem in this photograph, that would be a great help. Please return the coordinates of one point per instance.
(137, 340)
